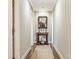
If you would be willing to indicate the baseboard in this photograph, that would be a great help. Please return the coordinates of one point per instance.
(60, 55)
(24, 56)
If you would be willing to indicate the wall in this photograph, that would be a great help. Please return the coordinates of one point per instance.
(50, 24)
(62, 28)
(25, 26)
(10, 30)
(34, 27)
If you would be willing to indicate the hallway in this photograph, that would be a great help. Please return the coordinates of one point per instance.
(40, 29)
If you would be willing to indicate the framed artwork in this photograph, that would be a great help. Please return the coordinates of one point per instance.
(42, 22)
(42, 38)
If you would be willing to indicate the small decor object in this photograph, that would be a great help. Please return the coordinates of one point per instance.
(42, 22)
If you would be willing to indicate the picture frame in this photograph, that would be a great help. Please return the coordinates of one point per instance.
(42, 22)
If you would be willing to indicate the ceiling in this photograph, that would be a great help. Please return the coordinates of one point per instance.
(42, 5)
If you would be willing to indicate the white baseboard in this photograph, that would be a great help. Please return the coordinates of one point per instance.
(60, 55)
(24, 56)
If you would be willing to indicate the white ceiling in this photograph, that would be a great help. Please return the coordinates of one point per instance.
(39, 5)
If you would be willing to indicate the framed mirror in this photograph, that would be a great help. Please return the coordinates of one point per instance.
(42, 22)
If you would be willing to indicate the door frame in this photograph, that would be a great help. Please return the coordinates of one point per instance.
(13, 28)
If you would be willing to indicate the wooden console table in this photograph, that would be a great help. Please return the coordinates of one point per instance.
(44, 34)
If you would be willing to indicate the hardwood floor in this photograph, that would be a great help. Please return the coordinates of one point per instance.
(51, 54)
(56, 56)
(42, 52)
(31, 52)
